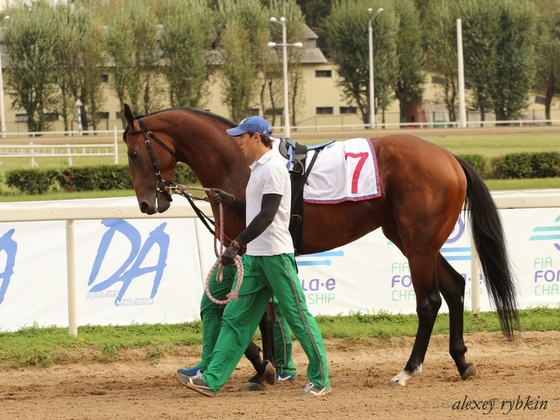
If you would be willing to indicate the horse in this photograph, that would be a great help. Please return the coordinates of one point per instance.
(424, 190)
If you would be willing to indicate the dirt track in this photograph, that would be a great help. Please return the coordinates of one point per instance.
(516, 380)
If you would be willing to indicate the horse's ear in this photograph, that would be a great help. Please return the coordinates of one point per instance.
(128, 116)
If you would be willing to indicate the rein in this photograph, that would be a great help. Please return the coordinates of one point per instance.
(167, 187)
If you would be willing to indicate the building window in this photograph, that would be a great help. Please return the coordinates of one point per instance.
(103, 115)
(348, 110)
(323, 73)
(105, 78)
(324, 110)
(541, 100)
(271, 112)
(438, 80)
(21, 118)
(52, 116)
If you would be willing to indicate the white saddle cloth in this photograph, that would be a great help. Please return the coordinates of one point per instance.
(343, 171)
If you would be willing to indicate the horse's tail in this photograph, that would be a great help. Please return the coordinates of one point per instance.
(489, 240)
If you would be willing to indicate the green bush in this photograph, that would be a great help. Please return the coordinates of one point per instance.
(96, 178)
(32, 181)
(545, 165)
(478, 162)
(83, 178)
(526, 165)
(184, 174)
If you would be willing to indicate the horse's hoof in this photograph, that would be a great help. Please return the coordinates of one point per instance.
(392, 382)
(471, 371)
(269, 374)
(253, 386)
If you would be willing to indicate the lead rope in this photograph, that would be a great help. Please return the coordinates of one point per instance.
(234, 294)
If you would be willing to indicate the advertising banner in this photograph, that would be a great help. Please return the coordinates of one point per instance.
(152, 270)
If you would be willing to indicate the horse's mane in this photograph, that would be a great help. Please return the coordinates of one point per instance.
(184, 109)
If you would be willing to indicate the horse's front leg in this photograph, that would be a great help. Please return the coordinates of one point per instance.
(266, 371)
(428, 302)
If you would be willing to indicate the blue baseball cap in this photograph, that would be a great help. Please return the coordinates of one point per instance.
(251, 125)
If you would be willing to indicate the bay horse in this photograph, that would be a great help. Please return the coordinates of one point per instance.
(424, 189)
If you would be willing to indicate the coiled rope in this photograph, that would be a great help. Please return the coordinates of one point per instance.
(233, 294)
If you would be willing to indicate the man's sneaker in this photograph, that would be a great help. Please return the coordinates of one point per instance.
(196, 383)
(189, 372)
(280, 377)
(311, 390)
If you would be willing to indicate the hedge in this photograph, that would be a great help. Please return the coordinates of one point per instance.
(84, 178)
(114, 177)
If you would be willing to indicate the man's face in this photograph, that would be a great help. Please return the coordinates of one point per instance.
(248, 144)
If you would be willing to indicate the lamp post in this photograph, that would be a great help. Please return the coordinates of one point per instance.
(2, 111)
(371, 90)
(284, 46)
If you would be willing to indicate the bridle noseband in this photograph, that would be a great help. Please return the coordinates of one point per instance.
(162, 186)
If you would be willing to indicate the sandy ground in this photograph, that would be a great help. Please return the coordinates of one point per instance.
(516, 379)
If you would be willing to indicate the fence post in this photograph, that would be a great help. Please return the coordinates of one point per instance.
(71, 279)
(69, 156)
(115, 147)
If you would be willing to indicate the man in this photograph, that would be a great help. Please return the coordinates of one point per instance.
(269, 267)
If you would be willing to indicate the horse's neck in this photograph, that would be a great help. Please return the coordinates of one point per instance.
(216, 162)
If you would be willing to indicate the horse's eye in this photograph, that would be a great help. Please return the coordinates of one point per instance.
(133, 154)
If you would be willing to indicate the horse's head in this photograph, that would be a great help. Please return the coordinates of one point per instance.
(152, 160)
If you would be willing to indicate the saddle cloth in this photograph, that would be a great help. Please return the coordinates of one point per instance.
(343, 171)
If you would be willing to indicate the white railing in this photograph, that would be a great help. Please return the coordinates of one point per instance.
(33, 151)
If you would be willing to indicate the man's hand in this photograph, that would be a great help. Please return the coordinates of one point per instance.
(219, 196)
(230, 253)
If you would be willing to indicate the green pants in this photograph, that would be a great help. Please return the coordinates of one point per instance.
(265, 276)
(211, 315)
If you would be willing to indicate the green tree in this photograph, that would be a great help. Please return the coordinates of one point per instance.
(346, 30)
(31, 42)
(480, 24)
(499, 54)
(244, 34)
(131, 44)
(516, 65)
(440, 30)
(410, 71)
(548, 51)
(80, 63)
(272, 86)
(186, 40)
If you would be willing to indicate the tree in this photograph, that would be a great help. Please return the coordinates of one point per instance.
(243, 38)
(272, 69)
(131, 43)
(548, 52)
(499, 57)
(31, 42)
(410, 72)
(346, 29)
(187, 35)
(440, 30)
(516, 69)
(80, 63)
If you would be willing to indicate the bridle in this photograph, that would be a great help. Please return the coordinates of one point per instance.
(162, 186)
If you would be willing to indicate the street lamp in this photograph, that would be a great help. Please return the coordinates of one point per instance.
(371, 91)
(2, 111)
(284, 46)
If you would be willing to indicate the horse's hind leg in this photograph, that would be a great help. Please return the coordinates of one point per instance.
(452, 287)
(428, 302)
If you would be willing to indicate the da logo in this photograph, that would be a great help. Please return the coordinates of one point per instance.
(132, 267)
(549, 233)
(9, 247)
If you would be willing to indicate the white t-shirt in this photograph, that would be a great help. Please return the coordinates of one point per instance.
(269, 176)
